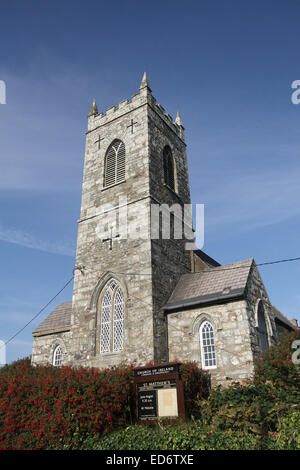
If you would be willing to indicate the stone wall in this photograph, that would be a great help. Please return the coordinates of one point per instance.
(256, 292)
(170, 257)
(232, 339)
(44, 346)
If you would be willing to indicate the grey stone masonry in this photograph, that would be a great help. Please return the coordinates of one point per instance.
(256, 293)
(234, 357)
(45, 345)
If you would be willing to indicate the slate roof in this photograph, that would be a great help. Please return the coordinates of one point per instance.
(282, 318)
(210, 285)
(59, 320)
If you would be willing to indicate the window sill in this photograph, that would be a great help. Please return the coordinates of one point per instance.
(172, 190)
(111, 354)
(113, 185)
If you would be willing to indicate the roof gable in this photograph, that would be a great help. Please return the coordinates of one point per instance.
(211, 285)
(59, 320)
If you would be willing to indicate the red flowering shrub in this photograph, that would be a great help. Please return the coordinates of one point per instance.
(48, 407)
(196, 383)
(276, 364)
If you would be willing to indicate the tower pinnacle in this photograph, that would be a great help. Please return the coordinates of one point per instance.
(178, 119)
(145, 82)
(94, 109)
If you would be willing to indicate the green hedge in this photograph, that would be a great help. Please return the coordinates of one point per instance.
(192, 436)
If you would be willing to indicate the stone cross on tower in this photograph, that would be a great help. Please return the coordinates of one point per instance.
(98, 141)
(131, 125)
(110, 239)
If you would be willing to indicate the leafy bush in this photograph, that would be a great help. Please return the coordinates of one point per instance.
(48, 407)
(253, 408)
(289, 432)
(191, 436)
(262, 405)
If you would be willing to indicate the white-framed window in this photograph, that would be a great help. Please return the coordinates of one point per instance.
(112, 319)
(57, 356)
(207, 345)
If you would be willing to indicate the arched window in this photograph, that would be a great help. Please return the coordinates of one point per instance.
(57, 356)
(112, 319)
(169, 174)
(207, 343)
(262, 328)
(114, 166)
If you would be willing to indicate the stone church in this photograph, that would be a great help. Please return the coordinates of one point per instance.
(147, 297)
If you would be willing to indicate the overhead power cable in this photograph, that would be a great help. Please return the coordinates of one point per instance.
(219, 268)
(146, 274)
(40, 311)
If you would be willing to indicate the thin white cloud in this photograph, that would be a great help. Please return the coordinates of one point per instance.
(250, 201)
(26, 239)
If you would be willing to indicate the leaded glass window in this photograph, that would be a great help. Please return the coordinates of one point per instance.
(105, 322)
(112, 319)
(207, 342)
(57, 356)
(114, 167)
(118, 320)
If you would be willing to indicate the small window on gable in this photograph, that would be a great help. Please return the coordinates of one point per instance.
(207, 343)
(57, 356)
(169, 171)
(114, 165)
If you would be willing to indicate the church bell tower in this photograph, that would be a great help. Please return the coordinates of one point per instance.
(135, 159)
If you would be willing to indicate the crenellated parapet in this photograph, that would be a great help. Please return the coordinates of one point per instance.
(143, 97)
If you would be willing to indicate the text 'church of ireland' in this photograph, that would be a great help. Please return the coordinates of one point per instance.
(140, 295)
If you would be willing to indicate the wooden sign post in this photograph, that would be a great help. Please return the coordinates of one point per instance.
(158, 393)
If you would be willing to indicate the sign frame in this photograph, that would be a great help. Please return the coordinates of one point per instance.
(151, 377)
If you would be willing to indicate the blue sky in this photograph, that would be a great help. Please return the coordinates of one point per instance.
(226, 65)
